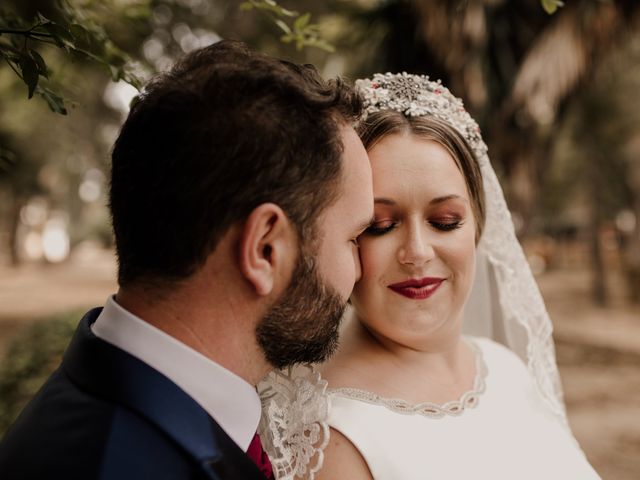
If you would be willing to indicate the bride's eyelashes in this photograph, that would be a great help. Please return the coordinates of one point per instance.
(444, 225)
(380, 228)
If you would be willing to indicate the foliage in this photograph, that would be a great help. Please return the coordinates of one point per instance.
(77, 33)
(74, 31)
(32, 356)
(301, 32)
(551, 6)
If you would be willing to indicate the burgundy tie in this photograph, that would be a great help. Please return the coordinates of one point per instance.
(259, 457)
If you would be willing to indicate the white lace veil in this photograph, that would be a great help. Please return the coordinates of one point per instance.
(505, 303)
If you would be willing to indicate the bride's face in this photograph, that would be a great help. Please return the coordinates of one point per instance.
(418, 258)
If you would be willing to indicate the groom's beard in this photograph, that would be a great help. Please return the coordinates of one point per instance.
(302, 327)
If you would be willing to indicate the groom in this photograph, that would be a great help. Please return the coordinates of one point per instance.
(238, 189)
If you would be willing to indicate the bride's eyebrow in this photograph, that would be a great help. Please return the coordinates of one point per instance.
(444, 199)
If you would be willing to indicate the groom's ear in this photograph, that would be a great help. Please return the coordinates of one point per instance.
(268, 248)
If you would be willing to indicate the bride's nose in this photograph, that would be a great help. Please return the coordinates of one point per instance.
(416, 249)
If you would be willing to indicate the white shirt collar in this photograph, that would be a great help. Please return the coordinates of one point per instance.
(230, 400)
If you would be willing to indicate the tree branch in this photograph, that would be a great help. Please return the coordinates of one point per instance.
(29, 32)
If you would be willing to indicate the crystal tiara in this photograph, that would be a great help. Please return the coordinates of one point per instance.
(417, 96)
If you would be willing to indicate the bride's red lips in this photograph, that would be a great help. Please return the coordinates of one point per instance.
(417, 288)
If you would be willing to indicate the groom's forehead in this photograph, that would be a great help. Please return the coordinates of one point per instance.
(355, 193)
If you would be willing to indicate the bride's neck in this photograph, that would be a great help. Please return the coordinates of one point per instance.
(442, 352)
(371, 362)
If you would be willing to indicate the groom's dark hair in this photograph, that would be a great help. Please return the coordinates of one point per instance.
(225, 130)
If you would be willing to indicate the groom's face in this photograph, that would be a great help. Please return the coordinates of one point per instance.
(302, 327)
(341, 223)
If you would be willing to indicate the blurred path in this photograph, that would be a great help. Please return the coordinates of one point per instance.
(599, 357)
(36, 291)
(567, 297)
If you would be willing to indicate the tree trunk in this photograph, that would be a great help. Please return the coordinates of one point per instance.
(632, 258)
(598, 284)
(14, 224)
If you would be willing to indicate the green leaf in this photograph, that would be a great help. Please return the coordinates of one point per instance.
(116, 73)
(30, 72)
(137, 12)
(283, 12)
(273, 7)
(42, 66)
(55, 102)
(7, 159)
(42, 19)
(551, 6)
(283, 26)
(16, 41)
(60, 35)
(321, 44)
(80, 33)
(246, 6)
(302, 21)
(89, 40)
(10, 55)
(313, 29)
(133, 80)
(115, 57)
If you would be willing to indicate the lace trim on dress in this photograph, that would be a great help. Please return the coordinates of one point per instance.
(293, 428)
(468, 399)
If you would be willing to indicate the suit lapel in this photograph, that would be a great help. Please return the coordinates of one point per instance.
(110, 373)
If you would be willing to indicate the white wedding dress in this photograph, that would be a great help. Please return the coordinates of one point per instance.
(501, 430)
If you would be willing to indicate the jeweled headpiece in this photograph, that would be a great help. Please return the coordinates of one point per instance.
(417, 96)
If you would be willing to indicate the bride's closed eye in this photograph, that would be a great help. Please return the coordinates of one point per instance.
(446, 224)
(380, 228)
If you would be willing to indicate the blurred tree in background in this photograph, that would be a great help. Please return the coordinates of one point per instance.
(551, 94)
(52, 186)
(53, 169)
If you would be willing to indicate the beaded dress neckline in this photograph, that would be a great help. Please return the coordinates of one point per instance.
(467, 400)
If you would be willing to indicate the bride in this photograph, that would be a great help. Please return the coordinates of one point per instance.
(446, 368)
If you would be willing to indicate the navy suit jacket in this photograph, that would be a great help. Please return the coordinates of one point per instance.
(106, 415)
